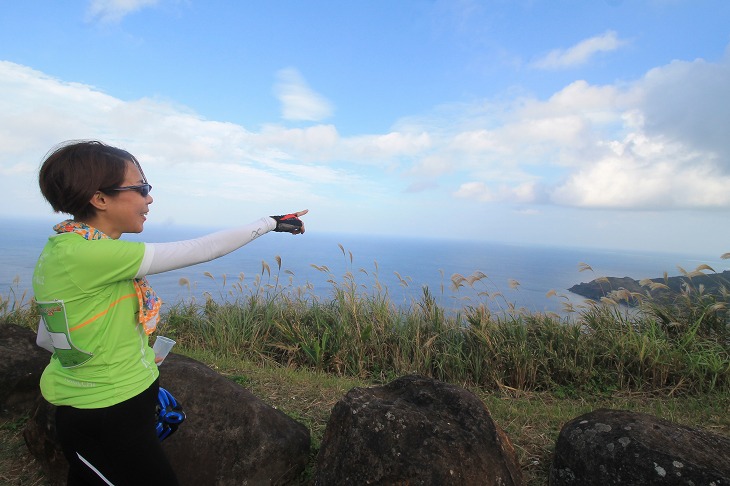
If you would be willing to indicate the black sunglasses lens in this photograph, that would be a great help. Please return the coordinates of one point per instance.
(144, 189)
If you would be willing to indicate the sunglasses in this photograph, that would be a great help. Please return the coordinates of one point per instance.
(142, 189)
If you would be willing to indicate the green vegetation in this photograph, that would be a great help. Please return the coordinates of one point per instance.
(301, 353)
(678, 347)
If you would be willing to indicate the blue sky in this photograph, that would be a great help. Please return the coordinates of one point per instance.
(570, 123)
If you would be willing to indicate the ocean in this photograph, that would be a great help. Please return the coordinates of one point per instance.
(518, 275)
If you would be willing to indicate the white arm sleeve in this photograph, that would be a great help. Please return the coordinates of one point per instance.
(163, 257)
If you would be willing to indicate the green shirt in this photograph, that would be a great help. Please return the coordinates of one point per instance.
(86, 296)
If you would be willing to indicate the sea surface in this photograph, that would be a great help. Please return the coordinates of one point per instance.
(516, 275)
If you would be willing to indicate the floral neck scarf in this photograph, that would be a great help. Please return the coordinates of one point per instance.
(149, 302)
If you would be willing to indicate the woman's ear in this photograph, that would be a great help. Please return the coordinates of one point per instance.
(99, 200)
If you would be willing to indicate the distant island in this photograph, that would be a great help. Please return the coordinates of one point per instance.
(657, 288)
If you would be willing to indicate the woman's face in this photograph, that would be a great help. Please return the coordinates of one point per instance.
(127, 209)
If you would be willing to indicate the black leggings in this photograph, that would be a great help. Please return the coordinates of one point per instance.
(114, 445)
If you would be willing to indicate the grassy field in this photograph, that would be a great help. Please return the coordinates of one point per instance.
(534, 372)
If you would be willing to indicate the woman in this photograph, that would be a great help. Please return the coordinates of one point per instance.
(98, 310)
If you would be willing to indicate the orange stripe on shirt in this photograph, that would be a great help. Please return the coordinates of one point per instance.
(100, 314)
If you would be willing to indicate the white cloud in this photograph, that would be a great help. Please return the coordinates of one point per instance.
(115, 10)
(688, 102)
(475, 190)
(647, 174)
(580, 53)
(298, 100)
(317, 142)
(522, 193)
(658, 143)
(199, 167)
(671, 151)
(385, 149)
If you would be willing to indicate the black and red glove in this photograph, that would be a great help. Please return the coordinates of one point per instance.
(289, 223)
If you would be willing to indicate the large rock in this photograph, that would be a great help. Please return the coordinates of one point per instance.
(612, 447)
(40, 437)
(230, 437)
(21, 366)
(414, 430)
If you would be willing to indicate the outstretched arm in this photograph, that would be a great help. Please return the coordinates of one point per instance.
(163, 257)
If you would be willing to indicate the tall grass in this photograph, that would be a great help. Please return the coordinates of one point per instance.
(679, 345)
(18, 307)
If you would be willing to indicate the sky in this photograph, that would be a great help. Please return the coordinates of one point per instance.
(596, 124)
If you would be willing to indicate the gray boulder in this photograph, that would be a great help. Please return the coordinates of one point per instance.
(40, 437)
(612, 447)
(414, 430)
(230, 437)
(21, 366)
